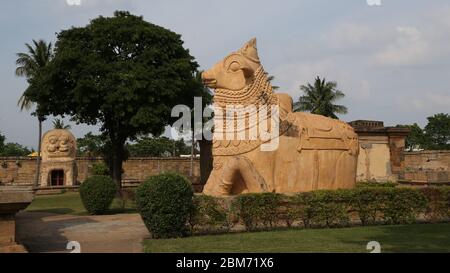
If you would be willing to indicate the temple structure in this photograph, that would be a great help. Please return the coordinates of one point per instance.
(58, 167)
(381, 150)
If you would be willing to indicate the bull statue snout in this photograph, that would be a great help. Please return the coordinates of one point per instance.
(209, 79)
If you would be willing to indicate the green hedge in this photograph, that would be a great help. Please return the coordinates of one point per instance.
(169, 208)
(165, 203)
(208, 214)
(97, 193)
(257, 209)
(326, 208)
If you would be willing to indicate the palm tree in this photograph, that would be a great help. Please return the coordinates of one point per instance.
(270, 79)
(319, 99)
(59, 124)
(28, 65)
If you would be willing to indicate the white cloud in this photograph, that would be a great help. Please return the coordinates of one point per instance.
(408, 48)
(293, 75)
(349, 36)
(439, 100)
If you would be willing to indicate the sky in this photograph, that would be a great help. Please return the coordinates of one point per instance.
(392, 60)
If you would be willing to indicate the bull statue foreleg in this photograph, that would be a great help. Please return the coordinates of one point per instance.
(238, 175)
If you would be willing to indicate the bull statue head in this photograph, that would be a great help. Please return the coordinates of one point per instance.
(236, 70)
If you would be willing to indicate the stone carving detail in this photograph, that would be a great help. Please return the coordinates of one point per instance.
(58, 144)
(58, 155)
(314, 152)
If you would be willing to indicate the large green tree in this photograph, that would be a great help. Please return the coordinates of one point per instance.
(320, 99)
(121, 72)
(437, 132)
(91, 145)
(435, 135)
(29, 65)
(15, 149)
(12, 149)
(416, 138)
(157, 146)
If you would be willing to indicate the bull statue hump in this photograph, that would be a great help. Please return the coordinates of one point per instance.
(313, 152)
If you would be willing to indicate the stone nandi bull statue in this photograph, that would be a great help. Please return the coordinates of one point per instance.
(313, 152)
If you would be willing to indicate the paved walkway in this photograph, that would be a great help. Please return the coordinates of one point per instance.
(48, 232)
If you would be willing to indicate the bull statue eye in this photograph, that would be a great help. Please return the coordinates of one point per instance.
(234, 66)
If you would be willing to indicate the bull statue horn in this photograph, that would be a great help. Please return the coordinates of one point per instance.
(250, 51)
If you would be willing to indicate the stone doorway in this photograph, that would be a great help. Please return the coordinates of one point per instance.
(57, 178)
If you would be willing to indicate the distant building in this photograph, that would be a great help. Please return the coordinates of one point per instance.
(381, 150)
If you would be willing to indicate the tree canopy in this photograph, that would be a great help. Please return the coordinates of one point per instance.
(91, 145)
(435, 135)
(158, 146)
(437, 132)
(121, 72)
(12, 149)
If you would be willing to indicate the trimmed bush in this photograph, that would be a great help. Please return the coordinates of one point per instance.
(368, 184)
(208, 213)
(403, 205)
(323, 208)
(100, 169)
(255, 209)
(369, 203)
(165, 203)
(97, 193)
(329, 208)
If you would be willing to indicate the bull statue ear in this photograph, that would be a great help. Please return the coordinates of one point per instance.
(250, 51)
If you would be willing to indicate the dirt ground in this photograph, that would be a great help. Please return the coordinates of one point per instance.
(48, 232)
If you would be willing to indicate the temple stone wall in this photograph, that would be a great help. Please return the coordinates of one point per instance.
(374, 160)
(21, 171)
(374, 163)
(427, 167)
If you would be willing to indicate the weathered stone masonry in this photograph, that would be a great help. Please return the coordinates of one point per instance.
(21, 170)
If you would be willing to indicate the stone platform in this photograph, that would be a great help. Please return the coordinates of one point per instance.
(12, 200)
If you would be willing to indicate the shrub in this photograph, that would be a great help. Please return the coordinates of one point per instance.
(100, 169)
(329, 208)
(403, 205)
(97, 193)
(165, 202)
(374, 184)
(257, 208)
(438, 204)
(301, 208)
(207, 212)
(446, 196)
(323, 208)
(368, 202)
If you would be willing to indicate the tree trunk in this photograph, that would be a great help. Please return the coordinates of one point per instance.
(117, 155)
(38, 161)
(206, 160)
(191, 170)
(116, 164)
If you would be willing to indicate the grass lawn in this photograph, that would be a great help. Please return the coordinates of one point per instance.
(406, 238)
(70, 203)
